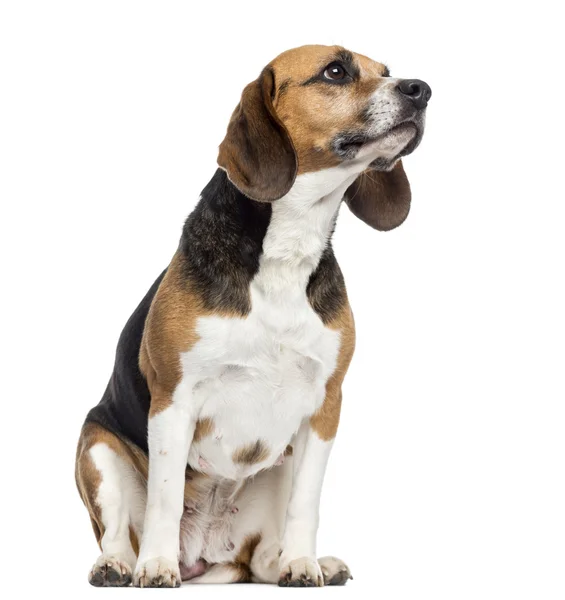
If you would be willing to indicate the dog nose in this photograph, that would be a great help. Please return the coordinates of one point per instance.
(418, 91)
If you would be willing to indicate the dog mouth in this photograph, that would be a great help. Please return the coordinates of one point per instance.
(348, 146)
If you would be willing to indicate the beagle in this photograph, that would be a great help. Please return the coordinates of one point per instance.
(205, 458)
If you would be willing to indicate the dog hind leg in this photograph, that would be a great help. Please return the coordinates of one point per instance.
(114, 493)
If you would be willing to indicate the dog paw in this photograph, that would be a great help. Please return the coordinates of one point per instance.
(157, 573)
(334, 570)
(302, 572)
(110, 571)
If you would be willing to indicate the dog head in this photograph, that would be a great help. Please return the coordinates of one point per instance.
(320, 107)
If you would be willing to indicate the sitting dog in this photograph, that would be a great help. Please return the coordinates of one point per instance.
(205, 458)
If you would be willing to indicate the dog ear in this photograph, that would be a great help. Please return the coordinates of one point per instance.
(257, 152)
(380, 198)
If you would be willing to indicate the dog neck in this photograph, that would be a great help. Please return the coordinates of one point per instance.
(230, 241)
(300, 229)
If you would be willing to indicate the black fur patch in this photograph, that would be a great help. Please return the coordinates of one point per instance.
(347, 144)
(283, 88)
(124, 407)
(326, 287)
(347, 58)
(221, 244)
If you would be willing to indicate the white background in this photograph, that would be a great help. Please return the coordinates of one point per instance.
(447, 476)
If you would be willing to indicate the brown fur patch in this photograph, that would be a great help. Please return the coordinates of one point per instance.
(88, 480)
(326, 420)
(257, 152)
(251, 454)
(170, 329)
(204, 428)
(314, 114)
(133, 540)
(242, 562)
(380, 198)
(247, 549)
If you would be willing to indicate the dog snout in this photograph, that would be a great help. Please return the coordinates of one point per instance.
(416, 90)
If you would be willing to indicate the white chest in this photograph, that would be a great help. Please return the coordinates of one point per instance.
(257, 379)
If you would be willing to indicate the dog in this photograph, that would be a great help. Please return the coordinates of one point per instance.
(205, 458)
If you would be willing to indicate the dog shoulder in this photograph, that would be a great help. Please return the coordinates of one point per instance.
(170, 328)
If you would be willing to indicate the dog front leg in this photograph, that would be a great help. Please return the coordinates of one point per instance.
(298, 563)
(170, 433)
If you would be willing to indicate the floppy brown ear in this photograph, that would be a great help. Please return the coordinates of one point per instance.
(257, 152)
(380, 198)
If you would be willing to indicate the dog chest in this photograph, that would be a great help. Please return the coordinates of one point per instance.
(254, 380)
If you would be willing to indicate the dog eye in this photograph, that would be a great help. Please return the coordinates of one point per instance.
(335, 72)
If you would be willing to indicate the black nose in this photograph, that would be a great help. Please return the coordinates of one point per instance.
(418, 91)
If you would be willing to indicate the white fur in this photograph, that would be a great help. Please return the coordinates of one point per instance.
(121, 497)
(169, 435)
(310, 460)
(387, 110)
(206, 524)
